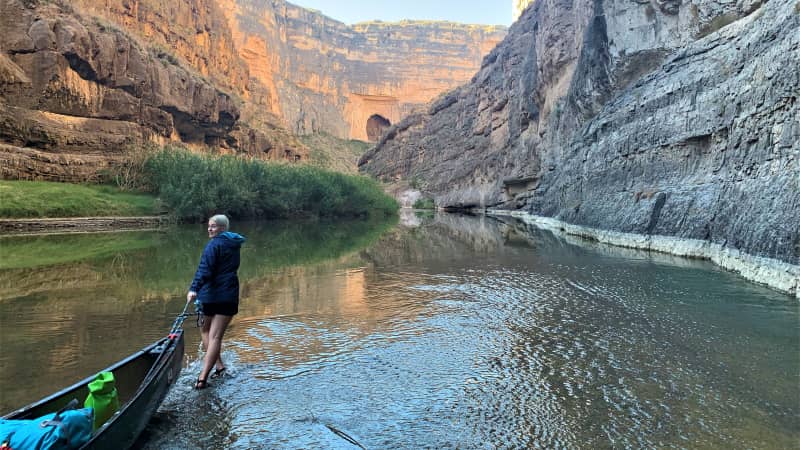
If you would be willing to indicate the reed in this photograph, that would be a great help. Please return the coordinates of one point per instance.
(194, 186)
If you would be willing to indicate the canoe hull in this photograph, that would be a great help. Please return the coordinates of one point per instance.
(142, 379)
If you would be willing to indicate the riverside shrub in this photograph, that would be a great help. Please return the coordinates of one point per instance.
(194, 186)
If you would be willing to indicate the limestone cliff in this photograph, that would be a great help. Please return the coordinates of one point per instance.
(517, 6)
(78, 94)
(84, 82)
(649, 117)
(351, 81)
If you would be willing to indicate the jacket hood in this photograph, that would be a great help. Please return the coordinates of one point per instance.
(234, 238)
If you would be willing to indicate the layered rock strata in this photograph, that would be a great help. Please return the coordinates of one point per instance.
(643, 118)
(84, 82)
(326, 76)
(80, 92)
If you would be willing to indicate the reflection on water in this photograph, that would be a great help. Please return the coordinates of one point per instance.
(72, 304)
(446, 332)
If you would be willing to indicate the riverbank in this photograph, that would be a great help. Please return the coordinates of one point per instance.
(23, 199)
(81, 224)
(770, 272)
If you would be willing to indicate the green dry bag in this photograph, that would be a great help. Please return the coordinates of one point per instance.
(103, 398)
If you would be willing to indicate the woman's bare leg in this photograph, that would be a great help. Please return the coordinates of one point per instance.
(216, 331)
(204, 331)
(204, 335)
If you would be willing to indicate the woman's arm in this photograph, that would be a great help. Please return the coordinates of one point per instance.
(204, 269)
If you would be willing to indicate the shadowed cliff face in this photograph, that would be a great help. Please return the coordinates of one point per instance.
(668, 118)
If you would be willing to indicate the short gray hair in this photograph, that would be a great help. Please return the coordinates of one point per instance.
(221, 220)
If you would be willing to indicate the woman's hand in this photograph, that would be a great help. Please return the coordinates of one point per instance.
(191, 296)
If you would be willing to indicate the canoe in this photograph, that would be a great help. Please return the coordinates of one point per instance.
(142, 381)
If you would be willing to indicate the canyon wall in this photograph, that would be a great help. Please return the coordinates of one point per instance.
(330, 77)
(518, 6)
(85, 83)
(643, 117)
(80, 94)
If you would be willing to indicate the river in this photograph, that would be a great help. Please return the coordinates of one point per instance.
(440, 331)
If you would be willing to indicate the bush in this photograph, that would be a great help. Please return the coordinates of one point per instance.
(194, 186)
(127, 174)
(424, 203)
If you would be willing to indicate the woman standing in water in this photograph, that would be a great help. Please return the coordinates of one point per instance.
(216, 289)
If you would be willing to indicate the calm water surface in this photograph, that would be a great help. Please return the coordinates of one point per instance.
(438, 332)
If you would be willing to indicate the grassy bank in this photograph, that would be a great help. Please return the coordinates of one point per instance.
(192, 187)
(31, 199)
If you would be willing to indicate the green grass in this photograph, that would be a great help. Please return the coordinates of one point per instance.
(32, 199)
(192, 187)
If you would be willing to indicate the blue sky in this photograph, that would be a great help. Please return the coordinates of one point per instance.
(490, 12)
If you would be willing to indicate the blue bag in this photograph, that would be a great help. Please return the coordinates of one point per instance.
(62, 430)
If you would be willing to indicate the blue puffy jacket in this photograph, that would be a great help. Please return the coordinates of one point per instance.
(215, 280)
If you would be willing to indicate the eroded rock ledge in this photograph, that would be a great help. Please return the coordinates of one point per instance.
(81, 224)
(79, 88)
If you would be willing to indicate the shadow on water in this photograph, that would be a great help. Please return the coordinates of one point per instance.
(452, 332)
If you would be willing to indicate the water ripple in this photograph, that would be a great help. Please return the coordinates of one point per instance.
(543, 346)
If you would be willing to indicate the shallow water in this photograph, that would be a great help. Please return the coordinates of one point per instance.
(444, 332)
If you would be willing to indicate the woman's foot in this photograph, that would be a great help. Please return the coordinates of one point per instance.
(217, 373)
(200, 384)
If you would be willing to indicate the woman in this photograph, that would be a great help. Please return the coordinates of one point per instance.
(216, 289)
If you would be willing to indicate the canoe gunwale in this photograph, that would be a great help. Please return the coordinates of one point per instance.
(154, 374)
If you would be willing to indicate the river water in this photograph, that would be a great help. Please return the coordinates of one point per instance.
(441, 331)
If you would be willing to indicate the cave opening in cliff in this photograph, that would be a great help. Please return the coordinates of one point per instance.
(376, 125)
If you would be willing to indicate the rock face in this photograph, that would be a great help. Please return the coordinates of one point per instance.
(517, 6)
(647, 117)
(323, 75)
(84, 82)
(90, 92)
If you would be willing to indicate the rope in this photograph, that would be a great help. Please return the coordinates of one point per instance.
(173, 334)
(179, 320)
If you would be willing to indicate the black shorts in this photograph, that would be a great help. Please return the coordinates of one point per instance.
(225, 309)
